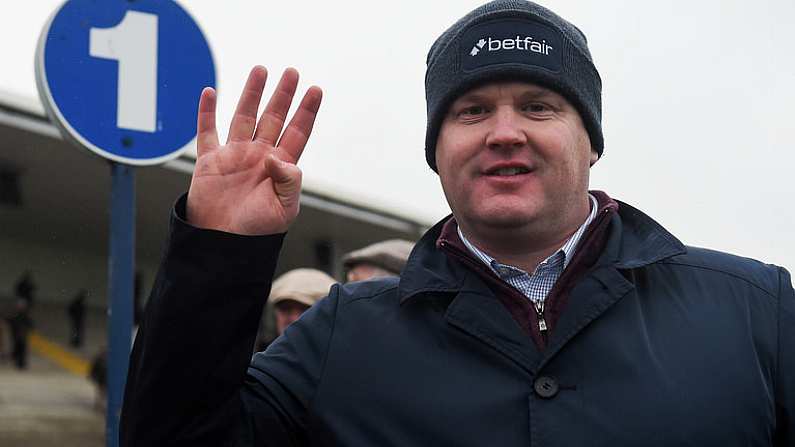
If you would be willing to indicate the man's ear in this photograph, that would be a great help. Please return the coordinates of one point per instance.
(594, 157)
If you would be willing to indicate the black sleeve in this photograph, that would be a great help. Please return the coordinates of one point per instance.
(188, 383)
(785, 383)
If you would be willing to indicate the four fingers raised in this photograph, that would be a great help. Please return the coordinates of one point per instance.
(267, 131)
(255, 142)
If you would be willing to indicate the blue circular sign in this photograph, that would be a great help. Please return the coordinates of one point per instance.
(122, 78)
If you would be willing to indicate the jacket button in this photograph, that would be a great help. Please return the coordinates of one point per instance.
(546, 387)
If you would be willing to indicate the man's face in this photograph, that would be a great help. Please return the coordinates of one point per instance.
(287, 312)
(513, 155)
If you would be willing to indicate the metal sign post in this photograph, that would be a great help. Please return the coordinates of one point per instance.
(122, 79)
(121, 266)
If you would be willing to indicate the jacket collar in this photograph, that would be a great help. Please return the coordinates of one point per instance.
(428, 269)
(635, 240)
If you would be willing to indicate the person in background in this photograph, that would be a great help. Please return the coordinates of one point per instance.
(25, 288)
(98, 374)
(382, 259)
(291, 295)
(77, 318)
(20, 324)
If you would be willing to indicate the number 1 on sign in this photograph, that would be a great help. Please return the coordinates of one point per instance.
(133, 43)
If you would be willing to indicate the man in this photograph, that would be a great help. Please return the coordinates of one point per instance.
(98, 374)
(292, 294)
(25, 288)
(77, 318)
(538, 314)
(21, 324)
(378, 260)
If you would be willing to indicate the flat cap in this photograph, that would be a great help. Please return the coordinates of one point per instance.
(390, 255)
(307, 286)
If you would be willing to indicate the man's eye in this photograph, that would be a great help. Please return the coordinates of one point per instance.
(473, 111)
(537, 107)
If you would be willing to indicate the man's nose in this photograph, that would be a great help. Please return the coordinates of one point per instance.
(506, 131)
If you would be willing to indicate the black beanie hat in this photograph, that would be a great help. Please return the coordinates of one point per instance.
(512, 40)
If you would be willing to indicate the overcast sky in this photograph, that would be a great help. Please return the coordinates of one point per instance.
(697, 101)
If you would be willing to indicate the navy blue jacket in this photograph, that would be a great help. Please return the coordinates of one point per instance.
(660, 345)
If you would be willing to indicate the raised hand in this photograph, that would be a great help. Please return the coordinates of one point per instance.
(251, 185)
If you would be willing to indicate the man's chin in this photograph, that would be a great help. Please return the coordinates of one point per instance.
(505, 220)
(506, 214)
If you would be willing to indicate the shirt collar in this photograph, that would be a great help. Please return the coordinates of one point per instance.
(567, 250)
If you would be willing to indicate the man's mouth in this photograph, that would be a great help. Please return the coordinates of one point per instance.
(507, 172)
(507, 169)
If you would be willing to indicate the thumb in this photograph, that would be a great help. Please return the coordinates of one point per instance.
(286, 179)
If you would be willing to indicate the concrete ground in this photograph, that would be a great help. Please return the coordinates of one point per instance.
(47, 405)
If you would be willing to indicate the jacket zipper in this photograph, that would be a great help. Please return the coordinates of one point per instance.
(542, 323)
(543, 328)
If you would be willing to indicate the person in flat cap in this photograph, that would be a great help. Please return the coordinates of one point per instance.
(378, 260)
(296, 291)
(292, 294)
(538, 314)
